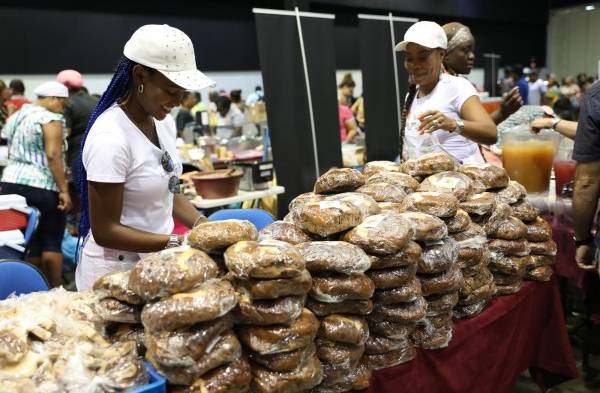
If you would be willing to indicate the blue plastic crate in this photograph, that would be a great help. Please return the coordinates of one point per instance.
(157, 384)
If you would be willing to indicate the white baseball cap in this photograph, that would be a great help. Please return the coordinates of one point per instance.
(424, 33)
(169, 51)
(51, 89)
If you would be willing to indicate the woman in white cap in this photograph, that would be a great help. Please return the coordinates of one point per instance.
(130, 169)
(443, 105)
(36, 171)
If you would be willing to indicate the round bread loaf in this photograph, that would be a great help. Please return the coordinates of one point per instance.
(503, 279)
(406, 182)
(373, 167)
(392, 278)
(233, 377)
(479, 204)
(304, 378)
(275, 288)
(492, 176)
(539, 230)
(510, 265)
(384, 192)
(344, 328)
(458, 184)
(217, 235)
(426, 227)
(543, 248)
(525, 211)
(517, 248)
(513, 193)
(381, 234)
(540, 260)
(363, 202)
(458, 223)
(441, 283)
(442, 302)
(502, 290)
(438, 257)
(117, 285)
(434, 203)
(326, 218)
(264, 259)
(267, 312)
(408, 292)
(395, 330)
(338, 180)
(338, 288)
(356, 307)
(283, 231)
(509, 229)
(541, 273)
(334, 256)
(285, 361)
(469, 311)
(401, 312)
(113, 310)
(304, 199)
(429, 337)
(338, 354)
(408, 255)
(429, 164)
(379, 345)
(390, 359)
(480, 295)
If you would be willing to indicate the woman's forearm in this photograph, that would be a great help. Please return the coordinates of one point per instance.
(122, 237)
(480, 132)
(184, 211)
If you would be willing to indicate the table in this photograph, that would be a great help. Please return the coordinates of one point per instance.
(242, 196)
(488, 352)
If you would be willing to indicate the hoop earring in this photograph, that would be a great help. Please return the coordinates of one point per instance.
(141, 89)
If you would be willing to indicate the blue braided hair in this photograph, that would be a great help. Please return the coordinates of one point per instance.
(116, 90)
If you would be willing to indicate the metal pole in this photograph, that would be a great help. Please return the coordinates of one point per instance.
(398, 104)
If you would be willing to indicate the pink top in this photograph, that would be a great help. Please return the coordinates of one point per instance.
(345, 114)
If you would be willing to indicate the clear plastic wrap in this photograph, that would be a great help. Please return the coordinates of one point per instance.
(171, 271)
(334, 256)
(472, 283)
(509, 289)
(438, 257)
(381, 234)
(408, 255)
(540, 260)
(374, 167)
(184, 347)
(356, 307)
(361, 377)
(525, 211)
(233, 377)
(434, 203)
(429, 164)
(458, 223)
(390, 359)
(12, 348)
(392, 278)
(273, 339)
(363, 202)
(492, 176)
(283, 231)
(539, 230)
(513, 193)
(378, 345)
(430, 337)
(335, 378)
(393, 207)
(491, 221)
(285, 361)
(302, 379)
(338, 354)
(225, 350)
(384, 192)
(517, 248)
(471, 271)
(408, 292)
(509, 229)
(121, 332)
(338, 288)
(208, 301)
(442, 303)
(510, 265)
(543, 248)
(441, 283)
(474, 230)
(338, 180)
(267, 312)
(503, 279)
(479, 204)
(116, 285)
(401, 312)
(477, 187)
(542, 273)
(218, 235)
(389, 329)
(344, 328)
(426, 227)
(408, 183)
(326, 218)
(264, 259)
(274, 288)
(113, 310)
(479, 295)
(304, 199)
(458, 184)
(471, 310)
(471, 251)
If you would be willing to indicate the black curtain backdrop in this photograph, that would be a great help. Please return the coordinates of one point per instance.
(379, 89)
(287, 101)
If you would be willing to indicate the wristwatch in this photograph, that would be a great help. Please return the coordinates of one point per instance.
(555, 121)
(460, 127)
(173, 241)
(588, 240)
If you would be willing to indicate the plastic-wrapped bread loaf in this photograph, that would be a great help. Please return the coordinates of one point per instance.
(280, 338)
(302, 379)
(207, 301)
(509, 229)
(458, 184)
(539, 230)
(542, 273)
(334, 256)
(479, 204)
(393, 207)
(408, 292)
(458, 223)
(171, 271)
(114, 310)
(434, 203)
(390, 359)
(378, 345)
(344, 328)
(326, 218)
(264, 259)
(123, 332)
(525, 211)
(374, 167)
(494, 219)
(117, 285)
(233, 377)
(356, 307)
(509, 289)
(468, 311)
(516, 248)
(275, 288)
(338, 288)
(440, 303)
(441, 283)
(392, 278)
(429, 164)
(426, 227)
(363, 202)
(339, 355)
(283, 231)
(267, 312)
(492, 176)
(381, 234)
(477, 288)
(410, 254)
(503, 279)
(438, 257)
(408, 183)
(393, 330)
(218, 235)
(540, 260)
(510, 265)
(338, 180)
(513, 193)
(384, 192)
(543, 248)
(12, 348)
(284, 361)
(428, 336)
(304, 199)
(401, 312)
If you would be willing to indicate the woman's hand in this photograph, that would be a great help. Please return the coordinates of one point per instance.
(538, 124)
(64, 202)
(433, 120)
(511, 102)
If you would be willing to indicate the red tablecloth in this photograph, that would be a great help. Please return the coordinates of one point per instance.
(488, 352)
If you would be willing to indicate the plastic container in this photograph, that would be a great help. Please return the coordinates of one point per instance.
(564, 166)
(157, 384)
(222, 183)
(528, 157)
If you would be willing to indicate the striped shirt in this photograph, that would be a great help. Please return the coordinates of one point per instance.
(27, 160)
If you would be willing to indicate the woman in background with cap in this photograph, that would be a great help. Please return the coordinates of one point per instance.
(36, 171)
(438, 103)
(129, 164)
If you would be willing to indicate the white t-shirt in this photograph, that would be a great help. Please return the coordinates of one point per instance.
(447, 96)
(537, 90)
(116, 151)
(226, 124)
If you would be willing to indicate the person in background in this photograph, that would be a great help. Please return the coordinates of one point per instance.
(460, 59)
(567, 128)
(346, 90)
(348, 129)
(4, 95)
(522, 83)
(198, 108)
(17, 98)
(254, 97)
(230, 120)
(569, 88)
(236, 99)
(184, 116)
(507, 83)
(36, 171)
(358, 109)
(537, 89)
